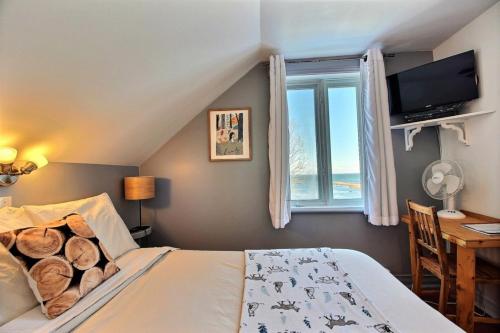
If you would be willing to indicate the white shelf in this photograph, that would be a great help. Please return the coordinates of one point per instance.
(457, 123)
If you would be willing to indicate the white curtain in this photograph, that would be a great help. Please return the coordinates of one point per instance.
(379, 174)
(279, 182)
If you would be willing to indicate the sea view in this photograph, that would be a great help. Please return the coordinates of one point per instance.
(345, 186)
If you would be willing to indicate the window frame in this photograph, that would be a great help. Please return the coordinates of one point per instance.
(320, 84)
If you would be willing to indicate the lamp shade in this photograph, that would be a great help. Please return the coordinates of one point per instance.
(139, 188)
(39, 160)
(7, 155)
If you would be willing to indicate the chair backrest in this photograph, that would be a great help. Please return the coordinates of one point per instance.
(427, 233)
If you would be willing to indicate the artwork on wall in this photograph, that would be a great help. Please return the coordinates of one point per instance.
(229, 134)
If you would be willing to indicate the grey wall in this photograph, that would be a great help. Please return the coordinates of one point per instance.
(60, 182)
(410, 165)
(224, 205)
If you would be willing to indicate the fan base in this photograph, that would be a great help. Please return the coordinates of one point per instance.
(450, 214)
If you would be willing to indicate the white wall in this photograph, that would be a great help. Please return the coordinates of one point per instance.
(481, 160)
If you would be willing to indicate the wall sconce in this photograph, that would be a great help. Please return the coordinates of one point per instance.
(9, 172)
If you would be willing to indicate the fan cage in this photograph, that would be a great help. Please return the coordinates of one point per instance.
(442, 194)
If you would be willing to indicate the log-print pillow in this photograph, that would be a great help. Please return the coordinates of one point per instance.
(63, 261)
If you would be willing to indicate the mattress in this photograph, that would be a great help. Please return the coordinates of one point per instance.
(202, 291)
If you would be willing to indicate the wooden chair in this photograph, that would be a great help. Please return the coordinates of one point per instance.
(430, 250)
(430, 254)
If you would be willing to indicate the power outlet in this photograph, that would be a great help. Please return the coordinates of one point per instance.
(5, 202)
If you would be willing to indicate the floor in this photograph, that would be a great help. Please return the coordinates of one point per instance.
(431, 297)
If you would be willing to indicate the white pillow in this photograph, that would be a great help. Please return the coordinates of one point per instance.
(100, 215)
(16, 296)
(12, 218)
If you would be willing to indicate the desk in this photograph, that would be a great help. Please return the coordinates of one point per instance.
(467, 242)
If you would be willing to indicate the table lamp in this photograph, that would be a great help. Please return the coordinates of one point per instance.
(139, 188)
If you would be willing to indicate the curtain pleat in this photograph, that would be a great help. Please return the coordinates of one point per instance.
(379, 188)
(279, 180)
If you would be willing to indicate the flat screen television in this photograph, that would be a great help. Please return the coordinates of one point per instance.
(448, 81)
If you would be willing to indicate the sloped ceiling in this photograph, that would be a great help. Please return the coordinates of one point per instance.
(110, 81)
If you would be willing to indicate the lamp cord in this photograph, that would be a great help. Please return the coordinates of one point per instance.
(140, 213)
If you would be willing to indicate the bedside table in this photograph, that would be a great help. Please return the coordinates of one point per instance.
(141, 233)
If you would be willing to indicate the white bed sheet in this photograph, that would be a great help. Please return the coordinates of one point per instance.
(187, 292)
(201, 291)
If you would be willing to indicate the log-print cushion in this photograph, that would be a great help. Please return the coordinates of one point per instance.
(16, 296)
(63, 261)
(98, 212)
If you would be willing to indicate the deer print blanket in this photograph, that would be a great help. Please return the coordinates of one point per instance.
(304, 290)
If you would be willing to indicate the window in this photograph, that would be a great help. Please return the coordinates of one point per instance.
(325, 172)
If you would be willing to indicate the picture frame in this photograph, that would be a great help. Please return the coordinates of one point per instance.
(229, 134)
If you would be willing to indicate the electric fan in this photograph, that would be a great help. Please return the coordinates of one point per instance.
(442, 180)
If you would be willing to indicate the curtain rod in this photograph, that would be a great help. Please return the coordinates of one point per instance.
(319, 59)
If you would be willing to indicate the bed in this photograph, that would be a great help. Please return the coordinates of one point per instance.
(168, 290)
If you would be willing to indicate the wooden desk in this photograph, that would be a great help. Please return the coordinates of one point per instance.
(467, 242)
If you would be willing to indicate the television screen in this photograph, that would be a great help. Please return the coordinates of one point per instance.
(447, 81)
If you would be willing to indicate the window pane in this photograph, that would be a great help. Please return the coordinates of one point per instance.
(346, 178)
(303, 160)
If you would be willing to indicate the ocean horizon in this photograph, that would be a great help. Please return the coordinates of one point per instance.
(345, 186)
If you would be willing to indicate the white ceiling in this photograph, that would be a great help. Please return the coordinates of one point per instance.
(344, 27)
(110, 81)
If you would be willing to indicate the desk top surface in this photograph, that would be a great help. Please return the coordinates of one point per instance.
(454, 232)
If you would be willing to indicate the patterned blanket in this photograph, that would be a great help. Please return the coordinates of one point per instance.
(304, 290)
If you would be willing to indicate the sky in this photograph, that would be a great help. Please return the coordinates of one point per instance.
(343, 127)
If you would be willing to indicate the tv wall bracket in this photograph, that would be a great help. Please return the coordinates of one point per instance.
(456, 123)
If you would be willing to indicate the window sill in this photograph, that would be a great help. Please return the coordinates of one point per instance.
(327, 209)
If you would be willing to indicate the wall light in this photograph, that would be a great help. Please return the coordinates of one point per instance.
(9, 172)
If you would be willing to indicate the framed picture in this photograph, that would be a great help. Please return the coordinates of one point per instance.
(229, 134)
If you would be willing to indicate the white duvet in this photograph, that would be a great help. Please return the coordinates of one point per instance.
(202, 291)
